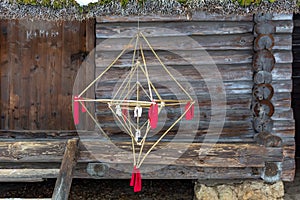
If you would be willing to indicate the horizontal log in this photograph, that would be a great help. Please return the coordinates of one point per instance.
(104, 59)
(172, 43)
(27, 174)
(228, 72)
(197, 16)
(284, 26)
(220, 155)
(41, 134)
(167, 29)
(165, 172)
(104, 90)
(206, 42)
(284, 128)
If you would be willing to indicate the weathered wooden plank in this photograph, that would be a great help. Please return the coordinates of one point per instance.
(27, 174)
(68, 72)
(127, 30)
(4, 74)
(90, 66)
(285, 26)
(40, 134)
(104, 59)
(65, 175)
(197, 16)
(14, 64)
(177, 42)
(165, 172)
(284, 128)
(282, 42)
(104, 90)
(222, 155)
(228, 72)
(204, 42)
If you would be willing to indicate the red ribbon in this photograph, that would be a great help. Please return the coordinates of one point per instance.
(136, 180)
(76, 109)
(153, 115)
(189, 111)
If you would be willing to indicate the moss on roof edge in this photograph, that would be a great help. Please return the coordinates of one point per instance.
(158, 7)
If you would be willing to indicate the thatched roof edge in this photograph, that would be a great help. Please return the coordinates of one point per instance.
(149, 7)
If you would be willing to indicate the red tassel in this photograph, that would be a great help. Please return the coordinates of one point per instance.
(133, 175)
(136, 180)
(153, 115)
(189, 111)
(76, 110)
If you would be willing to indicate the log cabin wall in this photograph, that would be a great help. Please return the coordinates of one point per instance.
(230, 42)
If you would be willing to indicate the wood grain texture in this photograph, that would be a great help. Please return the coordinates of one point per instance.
(37, 74)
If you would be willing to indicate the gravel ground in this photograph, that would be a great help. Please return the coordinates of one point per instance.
(104, 189)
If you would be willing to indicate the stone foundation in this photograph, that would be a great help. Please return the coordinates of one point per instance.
(246, 190)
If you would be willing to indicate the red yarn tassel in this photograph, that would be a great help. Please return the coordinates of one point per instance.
(189, 111)
(133, 175)
(136, 180)
(153, 115)
(76, 110)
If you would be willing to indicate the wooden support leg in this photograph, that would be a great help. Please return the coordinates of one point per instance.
(64, 179)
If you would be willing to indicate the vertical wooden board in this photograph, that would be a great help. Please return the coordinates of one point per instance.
(54, 77)
(15, 75)
(4, 74)
(41, 83)
(26, 94)
(71, 46)
(90, 67)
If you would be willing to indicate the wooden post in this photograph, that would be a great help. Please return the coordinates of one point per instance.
(64, 179)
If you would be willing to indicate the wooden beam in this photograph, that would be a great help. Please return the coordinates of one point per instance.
(64, 179)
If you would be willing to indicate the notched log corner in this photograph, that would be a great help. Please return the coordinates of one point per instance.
(263, 60)
(262, 77)
(263, 92)
(268, 140)
(264, 41)
(263, 124)
(263, 108)
(272, 172)
(264, 28)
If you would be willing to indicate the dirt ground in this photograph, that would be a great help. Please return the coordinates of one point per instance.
(120, 189)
